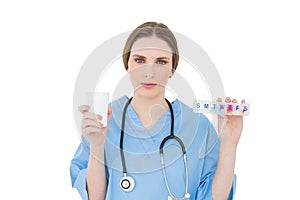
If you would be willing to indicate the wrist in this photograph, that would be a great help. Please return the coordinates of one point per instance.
(228, 141)
(97, 147)
(228, 146)
(98, 144)
(97, 151)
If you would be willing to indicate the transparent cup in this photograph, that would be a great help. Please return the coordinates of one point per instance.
(98, 102)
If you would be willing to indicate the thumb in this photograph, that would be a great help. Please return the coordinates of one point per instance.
(109, 113)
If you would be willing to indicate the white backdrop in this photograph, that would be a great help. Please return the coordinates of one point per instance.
(254, 44)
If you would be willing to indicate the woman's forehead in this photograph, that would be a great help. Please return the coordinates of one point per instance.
(151, 44)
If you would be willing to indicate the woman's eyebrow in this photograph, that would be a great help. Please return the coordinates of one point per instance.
(140, 56)
(144, 57)
(162, 58)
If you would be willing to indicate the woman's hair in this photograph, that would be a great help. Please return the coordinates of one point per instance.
(150, 29)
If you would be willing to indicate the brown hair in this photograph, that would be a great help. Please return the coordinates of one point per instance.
(149, 29)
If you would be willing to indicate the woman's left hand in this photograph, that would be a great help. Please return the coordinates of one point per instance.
(230, 126)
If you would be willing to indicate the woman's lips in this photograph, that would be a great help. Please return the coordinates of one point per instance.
(148, 85)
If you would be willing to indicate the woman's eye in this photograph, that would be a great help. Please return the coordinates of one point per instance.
(138, 60)
(161, 62)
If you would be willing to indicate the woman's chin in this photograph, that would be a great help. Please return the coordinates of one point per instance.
(147, 93)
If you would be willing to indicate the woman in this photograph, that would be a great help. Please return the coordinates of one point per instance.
(127, 160)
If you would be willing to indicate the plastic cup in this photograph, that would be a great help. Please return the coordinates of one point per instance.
(98, 101)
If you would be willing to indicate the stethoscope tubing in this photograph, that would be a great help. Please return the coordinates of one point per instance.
(161, 151)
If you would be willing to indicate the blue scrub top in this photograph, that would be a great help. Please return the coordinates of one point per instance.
(141, 150)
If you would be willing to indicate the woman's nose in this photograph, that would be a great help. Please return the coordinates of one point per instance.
(149, 75)
(149, 71)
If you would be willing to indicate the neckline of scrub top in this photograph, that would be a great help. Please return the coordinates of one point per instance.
(145, 149)
(134, 127)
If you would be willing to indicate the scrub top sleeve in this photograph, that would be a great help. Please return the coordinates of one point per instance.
(232, 191)
(212, 147)
(204, 191)
(78, 168)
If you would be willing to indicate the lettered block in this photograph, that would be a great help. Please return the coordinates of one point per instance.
(221, 108)
(246, 109)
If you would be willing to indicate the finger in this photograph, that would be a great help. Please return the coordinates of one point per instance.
(89, 122)
(90, 115)
(227, 100)
(109, 111)
(219, 99)
(221, 122)
(91, 129)
(83, 108)
(234, 101)
(221, 117)
(243, 101)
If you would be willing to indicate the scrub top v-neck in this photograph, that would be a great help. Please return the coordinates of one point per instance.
(141, 148)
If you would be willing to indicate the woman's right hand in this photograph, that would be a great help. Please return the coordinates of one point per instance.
(91, 128)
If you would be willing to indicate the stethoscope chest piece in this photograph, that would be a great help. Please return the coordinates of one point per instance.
(127, 183)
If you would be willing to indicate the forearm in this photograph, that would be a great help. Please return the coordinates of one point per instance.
(96, 175)
(224, 173)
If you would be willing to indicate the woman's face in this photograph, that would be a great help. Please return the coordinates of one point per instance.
(150, 66)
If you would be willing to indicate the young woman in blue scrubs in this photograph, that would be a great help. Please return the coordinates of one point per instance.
(150, 57)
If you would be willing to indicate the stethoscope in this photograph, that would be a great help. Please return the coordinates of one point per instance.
(127, 183)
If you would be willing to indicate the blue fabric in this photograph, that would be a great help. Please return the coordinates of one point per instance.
(141, 149)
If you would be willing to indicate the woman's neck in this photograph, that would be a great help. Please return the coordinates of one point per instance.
(149, 110)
